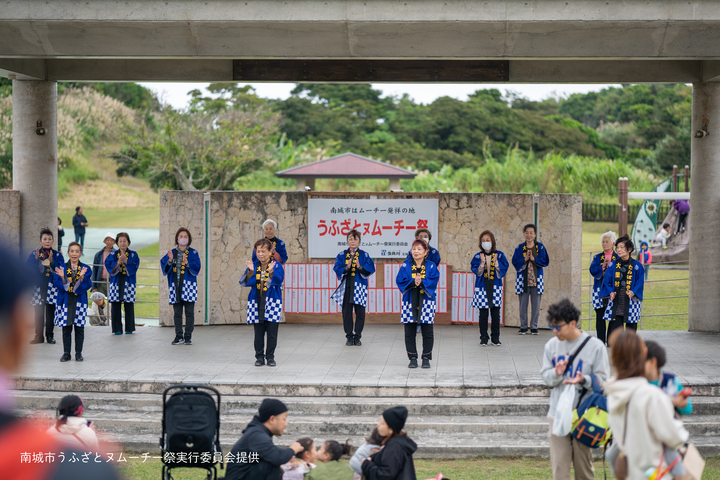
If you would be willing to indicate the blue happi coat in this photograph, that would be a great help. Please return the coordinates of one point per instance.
(81, 308)
(637, 286)
(480, 296)
(405, 281)
(273, 299)
(189, 288)
(433, 256)
(360, 293)
(279, 248)
(113, 268)
(596, 271)
(541, 260)
(37, 267)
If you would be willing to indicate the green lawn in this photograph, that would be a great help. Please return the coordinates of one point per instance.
(115, 217)
(651, 305)
(485, 468)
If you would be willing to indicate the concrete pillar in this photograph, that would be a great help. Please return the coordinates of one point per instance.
(704, 221)
(35, 164)
(394, 184)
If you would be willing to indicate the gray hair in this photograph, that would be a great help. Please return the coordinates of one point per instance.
(274, 224)
(611, 234)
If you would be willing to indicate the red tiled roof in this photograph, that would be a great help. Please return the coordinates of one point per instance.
(346, 165)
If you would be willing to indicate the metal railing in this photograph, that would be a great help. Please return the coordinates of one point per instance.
(150, 285)
(591, 312)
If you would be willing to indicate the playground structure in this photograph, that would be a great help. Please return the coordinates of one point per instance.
(646, 225)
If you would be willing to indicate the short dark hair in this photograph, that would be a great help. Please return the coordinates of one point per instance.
(73, 244)
(654, 350)
(124, 234)
(77, 209)
(46, 231)
(563, 311)
(492, 239)
(666, 225)
(179, 231)
(60, 220)
(627, 243)
(263, 242)
(421, 230)
(530, 225)
(354, 233)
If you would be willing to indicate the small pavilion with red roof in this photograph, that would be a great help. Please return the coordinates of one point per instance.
(346, 165)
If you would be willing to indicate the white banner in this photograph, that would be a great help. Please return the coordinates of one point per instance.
(387, 226)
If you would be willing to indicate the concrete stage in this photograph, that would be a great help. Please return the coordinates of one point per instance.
(314, 361)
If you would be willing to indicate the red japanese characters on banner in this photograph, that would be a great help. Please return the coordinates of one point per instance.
(387, 226)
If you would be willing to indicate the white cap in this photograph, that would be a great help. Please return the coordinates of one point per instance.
(97, 296)
(109, 234)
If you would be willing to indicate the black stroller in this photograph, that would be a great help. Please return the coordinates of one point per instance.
(191, 430)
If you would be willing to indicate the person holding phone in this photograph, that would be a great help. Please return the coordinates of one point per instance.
(71, 428)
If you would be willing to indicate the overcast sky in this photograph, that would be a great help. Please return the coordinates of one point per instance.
(176, 93)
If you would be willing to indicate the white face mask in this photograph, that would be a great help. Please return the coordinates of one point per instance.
(182, 242)
(487, 246)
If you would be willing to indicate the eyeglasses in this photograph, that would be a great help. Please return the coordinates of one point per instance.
(557, 327)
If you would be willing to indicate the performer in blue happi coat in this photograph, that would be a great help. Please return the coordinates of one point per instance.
(278, 252)
(425, 235)
(529, 259)
(265, 277)
(624, 286)
(489, 266)
(353, 267)
(598, 268)
(43, 261)
(417, 281)
(182, 265)
(72, 281)
(122, 266)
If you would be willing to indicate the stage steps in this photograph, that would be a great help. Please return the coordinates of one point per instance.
(442, 427)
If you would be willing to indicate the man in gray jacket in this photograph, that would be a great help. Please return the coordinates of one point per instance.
(572, 357)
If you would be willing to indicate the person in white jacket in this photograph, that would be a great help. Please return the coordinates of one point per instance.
(640, 415)
(71, 428)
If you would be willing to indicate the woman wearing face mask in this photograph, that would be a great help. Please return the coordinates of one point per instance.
(425, 235)
(624, 287)
(122, 265)
(279, 252)
(598, 267)
(417, 281)
(181, 265)
(489, 267)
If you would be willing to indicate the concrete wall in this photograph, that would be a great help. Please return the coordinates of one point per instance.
(236, 223)
(182, 209)
(10, 219)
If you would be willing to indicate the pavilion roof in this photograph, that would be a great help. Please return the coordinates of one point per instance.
(347, 165)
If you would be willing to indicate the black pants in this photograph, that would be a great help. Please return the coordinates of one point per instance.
(45, 314)
(177, 318)
(617, 322)
(261, 328)
(117, 316)
(347, 311)
(602, 333)
(681, 221)
(494, 313)
(427, 336)
(79, 338)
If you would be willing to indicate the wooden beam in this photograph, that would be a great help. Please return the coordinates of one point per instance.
(364, 71)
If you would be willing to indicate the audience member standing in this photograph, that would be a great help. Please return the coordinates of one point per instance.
(79, 223)
(572, 357)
